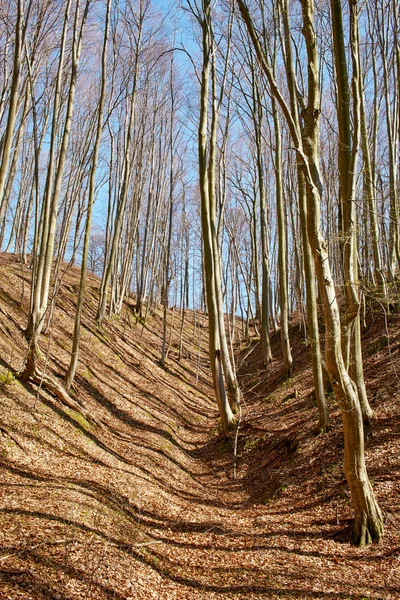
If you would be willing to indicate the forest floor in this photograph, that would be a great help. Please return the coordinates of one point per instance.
(152, 502)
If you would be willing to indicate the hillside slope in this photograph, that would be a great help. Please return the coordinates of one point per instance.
(152, 503)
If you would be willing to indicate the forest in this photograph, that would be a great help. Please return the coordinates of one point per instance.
(199, 299)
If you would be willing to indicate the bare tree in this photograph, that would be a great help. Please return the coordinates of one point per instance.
(207, 151)
(82, 284)
(368, 517)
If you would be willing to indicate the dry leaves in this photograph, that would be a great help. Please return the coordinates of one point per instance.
(148, 507)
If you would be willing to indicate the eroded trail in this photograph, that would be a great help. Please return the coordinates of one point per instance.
(147, 506)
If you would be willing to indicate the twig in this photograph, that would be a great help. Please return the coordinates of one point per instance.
(248, 354)
(30, 548)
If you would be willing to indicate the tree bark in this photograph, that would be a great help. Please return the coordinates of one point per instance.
(82, 283)
(368, 517)
(209, 229)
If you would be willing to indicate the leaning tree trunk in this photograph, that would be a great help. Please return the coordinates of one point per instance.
(368, 517)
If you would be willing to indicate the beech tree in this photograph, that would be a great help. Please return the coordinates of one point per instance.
(368, 518)
(254, 98)
(129, 133)
(348, 151)
(13, 104)
(309, 268)
(134, 31)
(43, 262)
(218, 349)
(82, 284)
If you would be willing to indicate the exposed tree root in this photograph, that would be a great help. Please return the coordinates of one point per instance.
(7, 433)
(368, 527)
(368, 523)
(56, 389)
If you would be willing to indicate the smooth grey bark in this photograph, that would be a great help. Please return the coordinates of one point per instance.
(152, 207)
(41, 284)
(207, 193)
(13, 105)
(368, 517)
(257, 114)
(82, 283)
(382, 14)
(229, 373)
(46, 228)
(109, 267)
(309, 268)
(282, 251)
(370, 197)
(164, 349)
(348, 151)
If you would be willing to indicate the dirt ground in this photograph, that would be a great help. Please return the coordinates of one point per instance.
(152, 502)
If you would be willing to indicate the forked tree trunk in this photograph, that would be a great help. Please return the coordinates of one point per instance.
(211, 263)
(42, 262)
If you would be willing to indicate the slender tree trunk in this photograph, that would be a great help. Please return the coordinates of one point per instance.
(13, 105)
(46, 227)
(369, 196)
(309, 269)
(368, 517)
(109, 267)
(171, 214)
(282, 253)
(209, 230)
(82, 284)
(348, 151)
(266, 280)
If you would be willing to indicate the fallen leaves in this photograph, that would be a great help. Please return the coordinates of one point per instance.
(148, 506)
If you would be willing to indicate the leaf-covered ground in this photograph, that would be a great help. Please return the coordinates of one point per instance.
(153, 503)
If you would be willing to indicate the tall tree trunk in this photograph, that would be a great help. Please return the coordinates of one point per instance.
(209, 229)
(13, 105)
(109, 266)
(348, 151)
(368, 517)
(266, 279)
(309, 268)
(82, 283)
(370, 199)
(46, 228)
(171, 214)
(282, 253)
